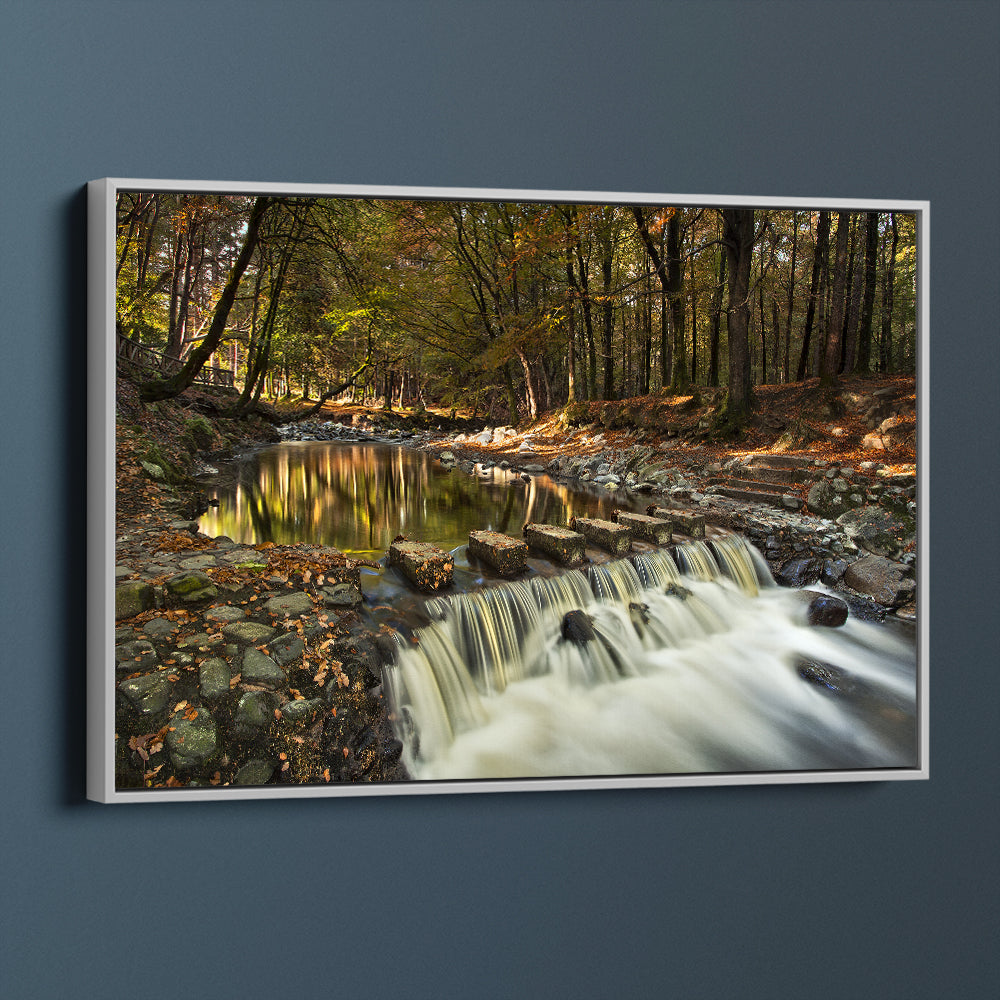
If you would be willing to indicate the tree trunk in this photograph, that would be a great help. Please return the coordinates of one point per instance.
(855, 285)
(885, 347)
(608, 322)
(738, 237)
(791, 294)
(863, 361)
(830, 365)
(713, 345)
(815, 290)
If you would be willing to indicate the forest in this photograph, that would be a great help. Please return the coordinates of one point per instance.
(504, 310)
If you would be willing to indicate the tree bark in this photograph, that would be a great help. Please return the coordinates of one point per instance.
(830, 365)
(863, 360)
(738, 237)
(815, 291)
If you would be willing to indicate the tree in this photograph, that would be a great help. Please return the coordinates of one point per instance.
(738, 239)
(830, 364)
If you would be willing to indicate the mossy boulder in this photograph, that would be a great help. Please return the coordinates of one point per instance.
(132, 598)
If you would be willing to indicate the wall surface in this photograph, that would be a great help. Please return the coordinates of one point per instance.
(870, 890)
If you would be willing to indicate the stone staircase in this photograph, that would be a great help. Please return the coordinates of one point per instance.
(773, 480)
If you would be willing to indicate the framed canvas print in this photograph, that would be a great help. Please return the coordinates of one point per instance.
(409, 490)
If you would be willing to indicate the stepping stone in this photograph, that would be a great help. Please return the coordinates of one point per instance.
(505, 554)
(429, 567)
(563, 544)
(650, 529)
(686, 522)
(612, 537)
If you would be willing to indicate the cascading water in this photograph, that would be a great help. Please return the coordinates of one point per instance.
(669, 663)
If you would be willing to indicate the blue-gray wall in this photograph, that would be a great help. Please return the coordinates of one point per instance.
(823, 892)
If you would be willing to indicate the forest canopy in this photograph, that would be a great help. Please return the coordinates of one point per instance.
(504, 308)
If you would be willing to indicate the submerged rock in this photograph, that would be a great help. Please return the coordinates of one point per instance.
(578, 627)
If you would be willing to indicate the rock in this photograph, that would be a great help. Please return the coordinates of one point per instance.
(534, 467)
(287, 648)
(256, 709)
(799, 572)
(824, 609)
(833, 570)
(132, 598)
(651, 529)
(153, 471)
(878, 530)
(150, 694)
(192, 585)
(213, 678)
(824, 500)
(683, 521)
(612, 537)
(429, 567)
(258, 668)
(192, 741)
(881, 579)
(447, 458)
(225, 613)
(562, 544)
(136, 655)
(254, 772)
(289, 605)
(525, 448)
(577, 626)
(247, 633)
(341, 595)
(299, 711)
(159, 628)
(505, 554)
(198, 562)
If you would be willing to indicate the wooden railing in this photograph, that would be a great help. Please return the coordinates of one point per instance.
(141, 356)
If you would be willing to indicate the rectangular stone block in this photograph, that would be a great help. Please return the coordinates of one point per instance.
(684, 521)
(562, 544)
(650, 529)
(429, 567)
(505, 554)
(607, 535)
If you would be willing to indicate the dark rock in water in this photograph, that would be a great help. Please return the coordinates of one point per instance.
(824, 609)
(833, 678)
(799, 572)
(639, 613)
(864, 609)
(578, 627)
(676, 590)
(833, 570)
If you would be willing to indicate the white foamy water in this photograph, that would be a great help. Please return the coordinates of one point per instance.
(685, 674)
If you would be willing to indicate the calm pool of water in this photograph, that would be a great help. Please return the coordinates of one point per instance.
(358, 497)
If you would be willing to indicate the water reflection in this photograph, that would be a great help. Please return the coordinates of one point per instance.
(358, 497)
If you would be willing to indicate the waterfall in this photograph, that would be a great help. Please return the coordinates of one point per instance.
(664, 662)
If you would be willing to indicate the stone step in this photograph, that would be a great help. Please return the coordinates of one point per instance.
(505, 554)
(650, 529)
(613, 538)
(778, 462)
(429, 567)
(765, 475)
(756, 496)
(562, 544)
(739, 483)
(684, 521)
